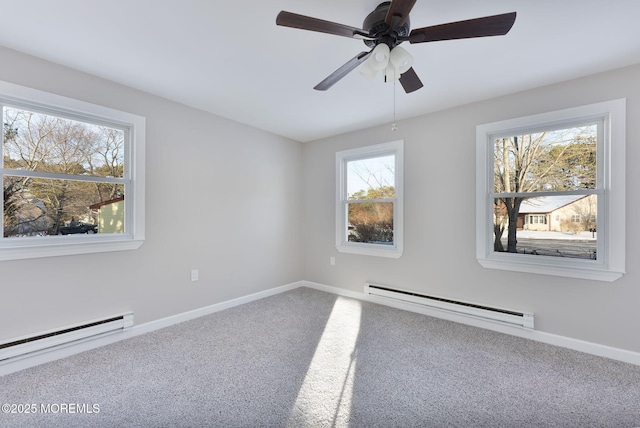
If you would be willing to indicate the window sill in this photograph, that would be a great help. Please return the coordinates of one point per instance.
(596, 273)
(371, 250)
(31, 250)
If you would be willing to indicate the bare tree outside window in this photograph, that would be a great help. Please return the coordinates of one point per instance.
(371, 192)
(55, 168)
(551, 164)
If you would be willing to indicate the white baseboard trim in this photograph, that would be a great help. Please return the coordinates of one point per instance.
(197, 313)
(52, 354)
(62, 351)
(539, 336)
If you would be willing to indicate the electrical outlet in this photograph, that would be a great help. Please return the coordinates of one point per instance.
(194, 275)
(332, 261)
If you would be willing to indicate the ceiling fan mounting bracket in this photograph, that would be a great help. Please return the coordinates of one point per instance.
(380, 31)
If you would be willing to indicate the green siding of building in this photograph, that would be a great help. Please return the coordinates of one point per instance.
(111, 218)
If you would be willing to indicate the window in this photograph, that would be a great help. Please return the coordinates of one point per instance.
(72, 176)
(568, 165)
(369, 200)
(536, 219)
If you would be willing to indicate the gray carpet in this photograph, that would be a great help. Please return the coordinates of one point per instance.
(306, 358)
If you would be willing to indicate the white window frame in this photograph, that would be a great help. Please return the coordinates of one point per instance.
(395, 148)
(134, 179)
(610, 264)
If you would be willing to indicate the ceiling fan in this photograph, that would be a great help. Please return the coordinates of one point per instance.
(388, 26)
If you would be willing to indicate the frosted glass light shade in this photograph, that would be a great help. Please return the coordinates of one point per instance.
(401, 59)
(391, 73)
(379, 57)
(368, 71)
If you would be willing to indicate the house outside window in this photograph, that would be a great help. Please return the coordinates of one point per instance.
(61, 157)
(559, 214)
(545, 185)
(369, 200)
(109, 215)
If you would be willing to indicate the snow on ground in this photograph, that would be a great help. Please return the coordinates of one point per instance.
(532, 234)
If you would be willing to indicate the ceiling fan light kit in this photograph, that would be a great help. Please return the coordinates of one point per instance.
(379, 57)
(401, 59)
(384, 29)
(391, 73)
(394, 62)
(368, 71)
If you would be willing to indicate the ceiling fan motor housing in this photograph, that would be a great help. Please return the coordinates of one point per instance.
(376, 26)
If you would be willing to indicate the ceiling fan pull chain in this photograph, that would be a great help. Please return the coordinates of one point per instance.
(394, 125)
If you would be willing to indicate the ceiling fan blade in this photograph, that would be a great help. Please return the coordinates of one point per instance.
(334, 77)
(293, 20)
(410, 81)
(398, 12)
(496, 25)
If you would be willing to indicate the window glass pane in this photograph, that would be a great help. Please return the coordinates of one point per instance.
(371, 222)
(559, 226)
(45, 143)
(372, 178)
(558, 160)
(42, 207)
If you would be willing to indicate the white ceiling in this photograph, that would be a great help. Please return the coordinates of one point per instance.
(230, 58)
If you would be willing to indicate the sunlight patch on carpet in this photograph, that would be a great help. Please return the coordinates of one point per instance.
(328, 385)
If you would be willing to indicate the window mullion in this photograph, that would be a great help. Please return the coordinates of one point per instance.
(56, 176)
(365, 201)
(541, 194)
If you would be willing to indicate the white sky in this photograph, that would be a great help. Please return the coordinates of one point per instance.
(371, 173)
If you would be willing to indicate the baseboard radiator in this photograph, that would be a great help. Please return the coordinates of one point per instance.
(500, 315)
(22, 346)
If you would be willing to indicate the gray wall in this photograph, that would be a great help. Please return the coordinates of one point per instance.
(253, 211)
(439, 226)
(221, 197)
